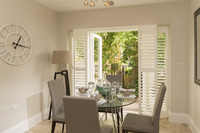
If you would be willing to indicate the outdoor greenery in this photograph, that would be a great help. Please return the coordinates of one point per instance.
(120, 49)
(119, 43)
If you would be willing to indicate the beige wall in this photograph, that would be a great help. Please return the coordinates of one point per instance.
(27, 84)
(194, 89)
(174, 14)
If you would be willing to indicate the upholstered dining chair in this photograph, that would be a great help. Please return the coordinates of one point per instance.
(112, 78)
(82, 115)
(142, 123)
(56, 89)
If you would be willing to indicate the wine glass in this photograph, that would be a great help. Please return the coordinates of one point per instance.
(113, 92)
(119, 86)
(114, 84)
(106, 88)
(91, 86)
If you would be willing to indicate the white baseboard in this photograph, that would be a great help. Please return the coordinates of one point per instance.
(193, 126)
(27, 124)
(184, 118)
(34, 120)
(179, 117)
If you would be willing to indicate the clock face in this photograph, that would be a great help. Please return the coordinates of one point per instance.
(15, 44)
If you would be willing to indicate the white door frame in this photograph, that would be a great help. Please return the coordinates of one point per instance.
(91, 58)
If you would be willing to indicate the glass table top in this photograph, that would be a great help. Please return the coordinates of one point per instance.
(116, 102)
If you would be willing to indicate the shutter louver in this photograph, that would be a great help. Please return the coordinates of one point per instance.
(79, 66)
(162, 38)
(147, 68)
(152, 67)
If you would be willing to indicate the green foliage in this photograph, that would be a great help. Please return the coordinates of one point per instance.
(115, 69)
(131, 78)
(96, 55)
(124, 44)
(128, 42)
(119, 43)
(109, 47)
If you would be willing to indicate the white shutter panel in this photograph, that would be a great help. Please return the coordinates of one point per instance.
(79, 58)
(147, 67)
(162, 42)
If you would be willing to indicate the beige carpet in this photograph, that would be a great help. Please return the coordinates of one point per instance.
(165, 127)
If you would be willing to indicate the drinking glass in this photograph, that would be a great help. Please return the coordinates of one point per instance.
(114, 84)
(119, 86)
(113, 92)
(91, 86)
(106, 88)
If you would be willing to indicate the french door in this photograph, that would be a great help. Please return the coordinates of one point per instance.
(152, 63)
(95, 57)
(85, 66)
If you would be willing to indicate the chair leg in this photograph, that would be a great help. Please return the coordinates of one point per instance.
(63, 128)
(105, 115)
(121, 114)
(124, 131)
(53, 126)
(50, 111)
(118, 117)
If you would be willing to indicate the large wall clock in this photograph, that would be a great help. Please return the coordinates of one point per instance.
(15, 44)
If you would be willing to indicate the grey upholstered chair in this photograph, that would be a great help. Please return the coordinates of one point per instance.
(57, 92)
(142, 123)
(82, 115)
(112, 78)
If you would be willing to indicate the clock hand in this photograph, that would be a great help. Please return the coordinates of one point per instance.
(16, 44)
(19, 39)
(23, 46)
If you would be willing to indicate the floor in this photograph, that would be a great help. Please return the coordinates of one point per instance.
(165, 127)
(132, 107)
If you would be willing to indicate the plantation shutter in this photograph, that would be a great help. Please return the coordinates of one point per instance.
(79, 58)
(147, 40)
(162, 42)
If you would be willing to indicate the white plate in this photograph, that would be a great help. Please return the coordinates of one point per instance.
(123, 97)
(101, 101)
(79, 94)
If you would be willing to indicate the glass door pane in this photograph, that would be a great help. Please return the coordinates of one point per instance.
(97, 57)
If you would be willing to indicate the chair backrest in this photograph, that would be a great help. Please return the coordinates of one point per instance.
(158, 105)
(81, 114)
(112, 78)
(56, 89)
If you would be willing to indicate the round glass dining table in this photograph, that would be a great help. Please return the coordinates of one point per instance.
(114, 106)
(111, 105)
(116, 102)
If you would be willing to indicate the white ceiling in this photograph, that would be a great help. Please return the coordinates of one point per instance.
(77, 5)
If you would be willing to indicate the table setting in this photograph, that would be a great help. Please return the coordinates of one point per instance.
(105, 92)
(109, 96)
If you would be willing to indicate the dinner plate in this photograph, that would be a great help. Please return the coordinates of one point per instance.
(79, 94)
(123, 97)
(101, 101)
